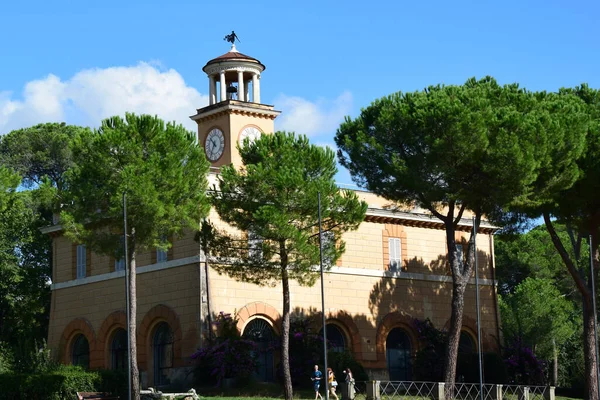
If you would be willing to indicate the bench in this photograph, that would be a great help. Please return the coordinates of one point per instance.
(96, 396)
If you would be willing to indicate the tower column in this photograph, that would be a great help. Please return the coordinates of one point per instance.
(247, 91)
(256, 88)
(212, 89)
(240, 91)
(223, 86)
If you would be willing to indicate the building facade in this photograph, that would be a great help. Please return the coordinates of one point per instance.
(393, 271)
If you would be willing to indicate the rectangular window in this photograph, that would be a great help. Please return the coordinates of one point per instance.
(119, 260)
(254, 244)
(395, 254)
(328, 249)
(162, 255)
(460, 252)
(81, 261)
(120, 265)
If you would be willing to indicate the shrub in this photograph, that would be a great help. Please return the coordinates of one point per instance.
(31, 357)
(339, 361)
(61, 383)
(6, 359)
(226, 356)
(523, 366)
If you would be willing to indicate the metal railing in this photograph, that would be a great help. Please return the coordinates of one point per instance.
(409, 390)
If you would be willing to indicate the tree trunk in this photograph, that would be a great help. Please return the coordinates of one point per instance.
(285, 327)
(458, 305)
(135, 381)
(589, 343)
(589, 350)
(554, 364)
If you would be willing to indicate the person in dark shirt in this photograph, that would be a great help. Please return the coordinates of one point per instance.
(316, 378)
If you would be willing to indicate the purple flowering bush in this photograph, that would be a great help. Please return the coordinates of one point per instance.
(227, 355)
(523, 366)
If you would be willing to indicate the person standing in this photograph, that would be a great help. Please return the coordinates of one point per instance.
(316, 378)
(332, 382)
(349, 392)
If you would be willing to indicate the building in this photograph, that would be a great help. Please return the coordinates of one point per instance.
(394, 270)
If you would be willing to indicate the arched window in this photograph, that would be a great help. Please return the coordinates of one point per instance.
(335, 338)
(398, 355)
(162, 344)
(466, 344)
(81, 351)
(118, 350)
(260, 332)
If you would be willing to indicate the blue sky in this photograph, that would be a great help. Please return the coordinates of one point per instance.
(81, 61)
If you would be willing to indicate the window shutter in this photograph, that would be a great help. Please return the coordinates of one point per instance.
(395, 255)
(81, 261)
(254, 244)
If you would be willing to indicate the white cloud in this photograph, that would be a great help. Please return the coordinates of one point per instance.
(312, 118)
(94, 94)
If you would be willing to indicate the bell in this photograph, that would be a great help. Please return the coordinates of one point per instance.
(231, 89)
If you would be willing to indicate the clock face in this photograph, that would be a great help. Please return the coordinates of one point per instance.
(251, 133)
(215, 144)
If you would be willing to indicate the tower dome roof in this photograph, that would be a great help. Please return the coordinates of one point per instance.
(234, 55)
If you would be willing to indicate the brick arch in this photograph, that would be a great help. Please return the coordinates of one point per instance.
(117, 319)
(258, 309)
(73, 328)
(393, 320)
(345, 321)
(157, 314)
(469, 325)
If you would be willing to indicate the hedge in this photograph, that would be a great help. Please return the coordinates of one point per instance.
(62, 383)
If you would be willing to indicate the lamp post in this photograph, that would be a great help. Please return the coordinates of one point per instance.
(325, 377)
(592, 275)
(475, 229)
(126, 259)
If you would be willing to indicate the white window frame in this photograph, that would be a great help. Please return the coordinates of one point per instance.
(395, 254)
(162, 255)
(255, 242)
(328, 240)
(81, 261)
(120, 262)
(460, 252)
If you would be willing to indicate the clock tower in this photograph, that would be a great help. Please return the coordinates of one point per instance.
(234, 111)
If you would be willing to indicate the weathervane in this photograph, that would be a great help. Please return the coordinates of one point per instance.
(232, 38)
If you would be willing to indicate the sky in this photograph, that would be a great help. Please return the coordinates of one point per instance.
(81, 61)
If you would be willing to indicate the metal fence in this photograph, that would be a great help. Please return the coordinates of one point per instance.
(408, 390)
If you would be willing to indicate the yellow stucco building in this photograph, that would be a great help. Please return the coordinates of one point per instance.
(394, 270)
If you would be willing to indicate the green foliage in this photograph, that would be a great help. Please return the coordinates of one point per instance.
(160, 167)
(531, 254)
(62, 383)
(478, 144)
(41, 151)
(537, 313)
(31, 357)
(24, 273)
(6, 358)
(340, 361)
(226, 356)
(274, 196)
